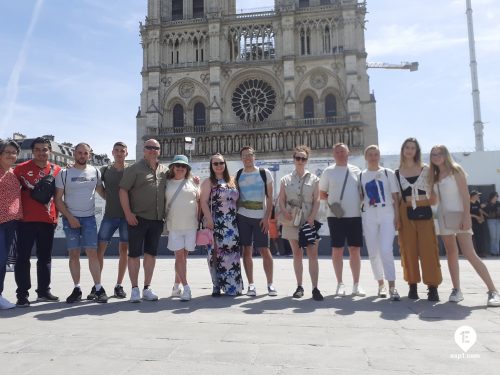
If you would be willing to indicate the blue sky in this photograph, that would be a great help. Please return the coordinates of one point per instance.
(71, 68)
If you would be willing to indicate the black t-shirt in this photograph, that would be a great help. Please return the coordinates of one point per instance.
(475, 208)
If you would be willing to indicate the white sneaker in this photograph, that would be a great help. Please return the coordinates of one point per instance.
(9, 268)
(135, 295)
(493, 299)
(382, 291)
(394, 295)
(251, 291)
(149, 295)
(271, 291)
(358, 291)
(5, 304)
(340, 290)
(456, 295)
(176, 292)
(186, 294)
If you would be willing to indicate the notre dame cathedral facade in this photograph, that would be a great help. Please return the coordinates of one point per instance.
(272, 80)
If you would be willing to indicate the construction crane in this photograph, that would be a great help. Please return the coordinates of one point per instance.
(411, 66)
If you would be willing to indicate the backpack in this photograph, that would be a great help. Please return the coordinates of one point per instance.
(45, 188)
(262, 173)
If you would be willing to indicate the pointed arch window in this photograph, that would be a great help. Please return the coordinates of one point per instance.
(198, 8)
(177, 10)
(308, 107)
(330, 106)
(178, 118)
(303, 3)
(199, 119)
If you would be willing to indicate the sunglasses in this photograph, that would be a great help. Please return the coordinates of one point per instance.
(300, 158)
(218, 163)
(247, 156)
(436, 155)
(176, 165)
(156, 148)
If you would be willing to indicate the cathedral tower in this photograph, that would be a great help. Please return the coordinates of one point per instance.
(272, 80)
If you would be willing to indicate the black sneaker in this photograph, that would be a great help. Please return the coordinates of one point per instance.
(91, 295)
(22, 302)
(412, 293)
(299, 293)
(47, 297)
(119, 292)
(433, 295)
(75, 296)
(317, 296)
(100, 296)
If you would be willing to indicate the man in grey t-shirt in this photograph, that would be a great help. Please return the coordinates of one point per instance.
(75, 199)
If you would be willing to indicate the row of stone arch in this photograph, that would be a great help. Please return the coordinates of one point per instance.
(266, 142)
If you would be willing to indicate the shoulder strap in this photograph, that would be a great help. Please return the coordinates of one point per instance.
(176, 194)
(385, 171)
(238, 175)
(361, 189)
(396, 172)
(105, 169)
(345, 182)
(51, 172)
(263, 175)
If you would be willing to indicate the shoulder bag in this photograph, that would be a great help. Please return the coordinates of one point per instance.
(336, 207)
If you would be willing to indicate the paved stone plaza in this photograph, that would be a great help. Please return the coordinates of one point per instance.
(243, 335)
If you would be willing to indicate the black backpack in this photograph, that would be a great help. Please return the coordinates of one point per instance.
(45, 188)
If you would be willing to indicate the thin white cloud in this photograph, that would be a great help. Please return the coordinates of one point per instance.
(15, 76)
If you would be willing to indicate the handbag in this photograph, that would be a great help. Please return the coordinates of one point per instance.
(336, 207)
(297, 219)
(44, 189)
(419, 213)
(452, 219)
(204, 237)
(297, 212)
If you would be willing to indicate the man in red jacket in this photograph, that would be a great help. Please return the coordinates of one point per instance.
(37, 226)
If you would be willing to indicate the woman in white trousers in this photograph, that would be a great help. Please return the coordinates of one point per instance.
(380, 217)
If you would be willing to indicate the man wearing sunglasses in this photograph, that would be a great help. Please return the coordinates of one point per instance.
(142, 196)
(255, 205)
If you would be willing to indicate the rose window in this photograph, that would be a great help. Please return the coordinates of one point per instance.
(253, 100)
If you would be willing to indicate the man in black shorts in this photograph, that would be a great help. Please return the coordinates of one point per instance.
(339, 186)
(254, 210)
(142, 196)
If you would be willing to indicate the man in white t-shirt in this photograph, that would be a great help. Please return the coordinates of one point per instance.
(254, 210)
(339, 184)
(78, 185)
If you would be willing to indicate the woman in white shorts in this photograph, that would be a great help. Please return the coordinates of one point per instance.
(380, 216)
(181, 200)
(450, 186)
(300, 190)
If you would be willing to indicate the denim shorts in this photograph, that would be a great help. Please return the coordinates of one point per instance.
(83, 237)
(108, 227)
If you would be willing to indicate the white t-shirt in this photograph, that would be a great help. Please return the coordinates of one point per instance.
(79, 189)
(252, 201)
(378, 187)
(183, 213)
(331, 182)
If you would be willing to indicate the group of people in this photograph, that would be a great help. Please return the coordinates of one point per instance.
(145, 199)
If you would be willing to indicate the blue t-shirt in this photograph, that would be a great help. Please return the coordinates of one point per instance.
(252, 201)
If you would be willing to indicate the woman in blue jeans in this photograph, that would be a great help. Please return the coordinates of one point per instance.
(492, 209)
(10, 208)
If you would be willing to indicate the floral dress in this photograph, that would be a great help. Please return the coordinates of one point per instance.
(224, 256)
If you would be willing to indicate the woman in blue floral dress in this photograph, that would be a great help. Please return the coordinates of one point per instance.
(218, 202)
